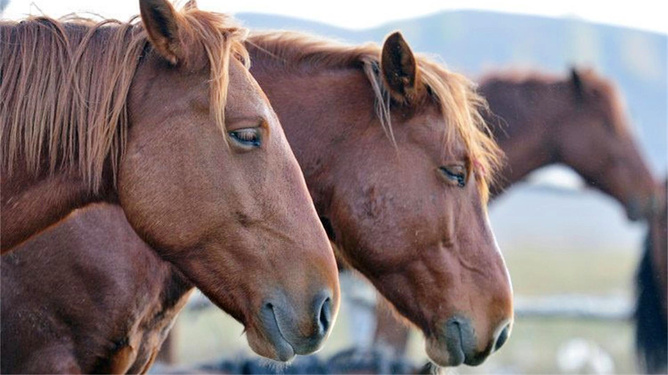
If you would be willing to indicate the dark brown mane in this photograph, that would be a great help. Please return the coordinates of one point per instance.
(521, 76)
(456, 95)
(65, 85)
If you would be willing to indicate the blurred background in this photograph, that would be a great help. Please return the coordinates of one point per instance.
(570, 250)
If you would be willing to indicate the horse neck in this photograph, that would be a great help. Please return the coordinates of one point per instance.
(100, 243)
(523, 120)
(32, 203)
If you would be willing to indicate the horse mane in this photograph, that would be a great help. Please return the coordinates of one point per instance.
(64, 86)
(518, 76)
(458, 100)
(605, 95)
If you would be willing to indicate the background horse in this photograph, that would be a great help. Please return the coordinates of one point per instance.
(204, 172)
(650, 315)
(397, 159)
(578, 121)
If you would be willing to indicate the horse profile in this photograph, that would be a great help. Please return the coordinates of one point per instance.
(578, 121)
(163, 118)
(398, 160)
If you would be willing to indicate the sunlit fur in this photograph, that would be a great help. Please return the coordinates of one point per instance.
(69, 101)
(459, 103)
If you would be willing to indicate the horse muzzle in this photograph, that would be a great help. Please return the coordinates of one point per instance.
(291, 331)
(458, 343)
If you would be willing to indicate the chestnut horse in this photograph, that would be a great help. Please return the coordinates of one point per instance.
(651, 288)
(578, 121)
(163, 118)
(398, 161)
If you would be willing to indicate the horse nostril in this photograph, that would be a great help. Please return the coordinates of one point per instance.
(503, 337)
(325, 316)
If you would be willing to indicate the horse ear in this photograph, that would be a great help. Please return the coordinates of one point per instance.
(191, 4)
(159, 18)
(399, 69)
(577, 83)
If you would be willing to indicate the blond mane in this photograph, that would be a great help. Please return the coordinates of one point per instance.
(458, 100)
(64, 87)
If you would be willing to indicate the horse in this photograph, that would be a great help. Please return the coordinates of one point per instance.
(651, 336)
(164, 119)
(578, 121)
(398, 160)
(540, 119)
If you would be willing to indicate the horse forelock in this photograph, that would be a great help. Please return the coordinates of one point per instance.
(65, 87)
(456, 96)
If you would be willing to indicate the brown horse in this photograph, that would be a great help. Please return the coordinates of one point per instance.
(578, 121)
(164, 118)
(397, 159)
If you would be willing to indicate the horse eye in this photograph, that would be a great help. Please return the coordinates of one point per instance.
(454, 173)
(247, 137)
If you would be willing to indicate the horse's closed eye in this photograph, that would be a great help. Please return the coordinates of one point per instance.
(454, 173)
(247, 137)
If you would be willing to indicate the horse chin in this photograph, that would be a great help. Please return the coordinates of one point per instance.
(449, 352)
(270, 345)
(439, 354)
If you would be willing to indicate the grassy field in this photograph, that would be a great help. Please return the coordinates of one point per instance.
(535, 345)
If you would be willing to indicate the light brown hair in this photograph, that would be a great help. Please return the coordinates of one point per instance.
(65, 86)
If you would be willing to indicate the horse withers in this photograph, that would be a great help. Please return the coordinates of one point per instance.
(163, 118)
